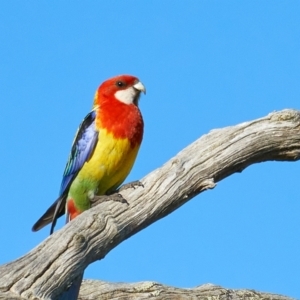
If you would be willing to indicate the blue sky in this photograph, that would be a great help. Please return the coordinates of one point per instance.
(206, 65)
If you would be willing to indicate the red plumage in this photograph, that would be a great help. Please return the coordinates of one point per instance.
(121, 119)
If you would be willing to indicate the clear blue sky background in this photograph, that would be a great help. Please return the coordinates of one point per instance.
(206, 65)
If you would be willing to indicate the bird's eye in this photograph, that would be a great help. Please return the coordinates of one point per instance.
(120, 83)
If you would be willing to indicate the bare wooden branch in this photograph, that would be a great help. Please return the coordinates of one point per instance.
(94, 289)
(50, 268)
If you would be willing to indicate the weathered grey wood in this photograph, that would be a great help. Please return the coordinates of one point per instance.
(94, 289)
(47, 270)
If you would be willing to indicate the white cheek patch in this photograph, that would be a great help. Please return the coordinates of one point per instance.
(126, 96)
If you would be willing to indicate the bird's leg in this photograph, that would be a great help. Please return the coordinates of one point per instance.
(133, 185)
(112, 197)
(115, 196)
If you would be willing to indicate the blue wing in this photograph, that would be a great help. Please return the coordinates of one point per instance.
(82, 149)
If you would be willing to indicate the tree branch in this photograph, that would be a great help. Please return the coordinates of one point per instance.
(94, 289)
(50, 268)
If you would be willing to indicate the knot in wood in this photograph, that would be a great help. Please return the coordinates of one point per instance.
(178, 163)
(98, 221)
(79, 241)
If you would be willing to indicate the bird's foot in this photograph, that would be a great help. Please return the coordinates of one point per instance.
(103, 198)
(133, 185)
(115, 196)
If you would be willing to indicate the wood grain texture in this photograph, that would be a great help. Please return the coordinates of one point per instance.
(50, 268)
(94, 289)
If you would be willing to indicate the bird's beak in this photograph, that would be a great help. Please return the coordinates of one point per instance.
(140, 87)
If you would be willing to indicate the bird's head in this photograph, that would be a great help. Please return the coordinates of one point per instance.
(123, 88)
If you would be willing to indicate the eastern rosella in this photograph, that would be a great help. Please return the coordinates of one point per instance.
(104, 149)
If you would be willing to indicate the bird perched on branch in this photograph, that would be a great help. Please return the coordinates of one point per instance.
(104, 149)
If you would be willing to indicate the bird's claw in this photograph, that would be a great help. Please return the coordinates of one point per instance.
(116, 196)
(103, 198)
(133, 185)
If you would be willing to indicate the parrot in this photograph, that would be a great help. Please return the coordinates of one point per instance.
(103, 151)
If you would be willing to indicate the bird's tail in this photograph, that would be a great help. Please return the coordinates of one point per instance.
(56, 210)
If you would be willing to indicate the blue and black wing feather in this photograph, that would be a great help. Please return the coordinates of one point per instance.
(82, 149)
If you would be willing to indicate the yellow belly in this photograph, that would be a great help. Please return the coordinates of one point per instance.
(108, 167)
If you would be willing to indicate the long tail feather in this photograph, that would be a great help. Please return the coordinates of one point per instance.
(56, 210)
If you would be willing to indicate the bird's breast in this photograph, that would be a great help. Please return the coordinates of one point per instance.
(120, 132)
(110, 163)
(122, 121)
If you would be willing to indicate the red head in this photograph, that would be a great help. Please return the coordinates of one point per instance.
(124, 88)
(116, 102)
